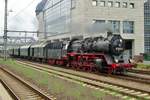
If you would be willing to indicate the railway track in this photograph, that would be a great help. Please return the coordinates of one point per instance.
(140, 71)
(91, 82)
(130, 76)
(9, 90)
(20, 89)
(134, 77)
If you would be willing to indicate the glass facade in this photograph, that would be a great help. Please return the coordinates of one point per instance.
(147, 26)
(57, 16)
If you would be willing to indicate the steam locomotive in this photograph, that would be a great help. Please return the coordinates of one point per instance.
(89, 54)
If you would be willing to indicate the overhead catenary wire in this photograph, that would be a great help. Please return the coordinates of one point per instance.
(22, 9)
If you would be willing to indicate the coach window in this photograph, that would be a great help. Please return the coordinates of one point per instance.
(124, 5)
(117, 4)
(102, 3)
(131, 5)
(110, 4)
(94, 2)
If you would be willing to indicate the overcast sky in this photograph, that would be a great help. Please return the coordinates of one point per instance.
(21, 15)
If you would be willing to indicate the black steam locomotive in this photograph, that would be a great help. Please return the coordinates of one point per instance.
(89, 54)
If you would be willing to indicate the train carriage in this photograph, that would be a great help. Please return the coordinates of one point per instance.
(56, 53)
(54, 50)
(17, 52)
(11, 52)
(25, 51)
(37, 51)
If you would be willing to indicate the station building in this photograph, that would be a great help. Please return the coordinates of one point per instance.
(66, 19)
(147, 26)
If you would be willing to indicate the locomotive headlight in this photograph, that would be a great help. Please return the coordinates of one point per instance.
(116, 60)
(121, 40)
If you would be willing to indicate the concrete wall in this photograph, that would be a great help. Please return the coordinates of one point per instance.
(136, 14)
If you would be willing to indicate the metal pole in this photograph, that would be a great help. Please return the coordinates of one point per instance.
(5, 32)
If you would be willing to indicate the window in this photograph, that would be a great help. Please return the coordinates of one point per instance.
(99, 21)
(73, 3)
(110, 3)
(128, 27)
(131, 5)
(115, 26)
(117, 4)
(124, 5)
(94, 3)
(97, 26)
(102, 3)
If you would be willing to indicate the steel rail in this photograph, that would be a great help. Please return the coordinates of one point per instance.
(28, 85)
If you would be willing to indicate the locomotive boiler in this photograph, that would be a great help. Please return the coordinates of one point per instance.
(112, 44)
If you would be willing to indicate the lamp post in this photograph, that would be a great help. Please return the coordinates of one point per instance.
(5, 31)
